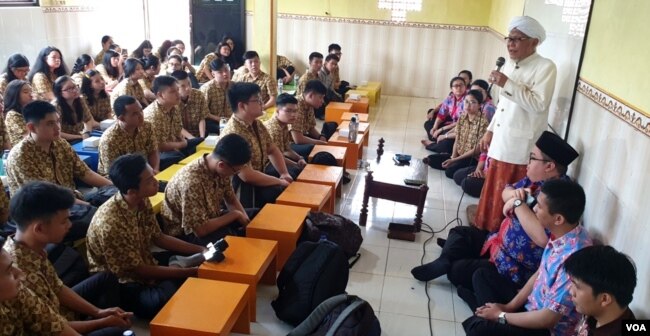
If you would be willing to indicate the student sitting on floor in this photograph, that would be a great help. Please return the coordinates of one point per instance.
(471, 126)
(340, 86)
(76, 120)
(44, 156)
(303, 130)
(192, 209)
(325, 74)
(48, 67)
(22, 312)
(122, 233)
(315, 63)
(17, 95)
(544, 305)
(130, 134)
(602, 285)
(216, 92)
(93, 91)
(513, 253)
(246, 104)
(111, 68)
(166, 121)
(193, 106)
(268, 86)
(285, 69)
(151, 69)
(129, 86)
(440, 132)
(278, 127)
(40, 210)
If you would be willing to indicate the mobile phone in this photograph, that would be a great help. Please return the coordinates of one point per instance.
(125, 51)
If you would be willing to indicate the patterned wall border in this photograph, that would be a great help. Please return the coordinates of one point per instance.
(632, 115)
(378, 22)
(67, 9)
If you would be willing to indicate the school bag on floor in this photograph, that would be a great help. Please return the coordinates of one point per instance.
(341, 315)
(314, 272)
(335, 228)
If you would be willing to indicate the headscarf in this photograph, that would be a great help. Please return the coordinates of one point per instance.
(529, 26)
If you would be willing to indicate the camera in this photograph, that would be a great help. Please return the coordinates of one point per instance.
(215, 251)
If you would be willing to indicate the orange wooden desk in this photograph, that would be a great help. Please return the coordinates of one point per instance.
(348, 115)
(248, 261)
(282, 223)
(198, 154)
(334, 110)
(337, 151)
(156, 201)
(317, 197)
(364, 129)
(354, 150)
(359, 106)
(326, 175)
(204, 307)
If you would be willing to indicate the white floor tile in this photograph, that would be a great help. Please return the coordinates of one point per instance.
(373, 260)
(406, 296)
(366, 286)
(401, 261)
(397, 324)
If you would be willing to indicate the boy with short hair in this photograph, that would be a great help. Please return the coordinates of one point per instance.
(165, 118)
(215, 92)
(122, 233)
(278, 126)
(130, 134)
(268, 87)
(41, 211)
(326, 75)
(21, 311)
(315, 63)
(602, 286)
(192, 208)
(303, 130)
(193, 107)
(544, 305)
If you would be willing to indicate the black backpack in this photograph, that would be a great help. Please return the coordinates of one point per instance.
(341, 315)
(314, 272)
(336, 228)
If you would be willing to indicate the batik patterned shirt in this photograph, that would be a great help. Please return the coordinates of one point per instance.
(257, 136)
(128, 88)
(78, 125)
(29, 314)
(101, 108)
(302, 82)
(16, 127)
(167, 125)
(193, 111)
(268, 87)
(279, 133)
(116, 142)
(217, 98)
(305, 119)
(42, 84)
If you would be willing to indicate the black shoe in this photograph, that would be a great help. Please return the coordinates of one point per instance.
(432, 270)
(441, 242)
(346, 178)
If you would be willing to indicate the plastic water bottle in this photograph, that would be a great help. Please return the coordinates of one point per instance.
(295, 80)
(280, 86)
(3, 163)
(222, 124)
(352, 129)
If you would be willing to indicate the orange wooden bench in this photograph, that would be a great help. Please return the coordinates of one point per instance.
(317, 197)
(334, 110)
(337, 151)
(326, 175)
(354, 150)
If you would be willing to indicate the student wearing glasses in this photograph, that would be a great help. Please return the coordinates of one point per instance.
(441, 124)
(48, 67)
(192, 209)
(76, 120)
(17, 68)
(527, 81)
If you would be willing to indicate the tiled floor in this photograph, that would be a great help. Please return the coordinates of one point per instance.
(382, 275)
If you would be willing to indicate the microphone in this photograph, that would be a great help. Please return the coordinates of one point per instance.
(500, 62)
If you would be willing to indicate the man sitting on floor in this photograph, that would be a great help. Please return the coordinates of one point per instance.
(22, 312)
(192, 210)
(193, 107)
(278, 127)
(41, 211)
(515, 250)
(268, 87)
(129, 135)
(165, 118)
(216, 92)
(122, 233)
(602, 285)
(44, 156)
(315, 63)
(544, 305)
(246, 102)
(303, 130)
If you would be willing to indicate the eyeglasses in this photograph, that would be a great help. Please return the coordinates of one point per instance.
(471, 102)
(531, 158)
(458, 86)
(71, 89)
(515, 39)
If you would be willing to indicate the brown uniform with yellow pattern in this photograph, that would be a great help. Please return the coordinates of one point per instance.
(217, 99)
(78, 126)
(167, 125)
(29, 314)
(193, 111)
(267, 85)
(116, 142)
(16, 127)
(257, 136)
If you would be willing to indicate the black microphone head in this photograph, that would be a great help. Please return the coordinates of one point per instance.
(501, 61)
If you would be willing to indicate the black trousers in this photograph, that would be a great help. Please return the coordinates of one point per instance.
(212, 127)
(477, 326)
(80, 217)
(145, 301)
(490, 286)
(436, 160)
(101, 289)
(231, 229)
(303, 150)
(252, 196)
(471, 185)
(293, 171)
(443, 146)
(172, 157)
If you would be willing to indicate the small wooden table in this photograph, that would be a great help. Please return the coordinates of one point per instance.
(325, 175)
(334, 110)
(374, 92)
(248, 261)
(317, 197)
(198, 154)
(354, 150)
(167, 174)
(337, 151)
(363, 117)
(385, 180)
(364, 129)
(282, 223)
(359, 106)
(204, 307)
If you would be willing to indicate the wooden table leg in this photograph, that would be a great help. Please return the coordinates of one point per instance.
(366, 195)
